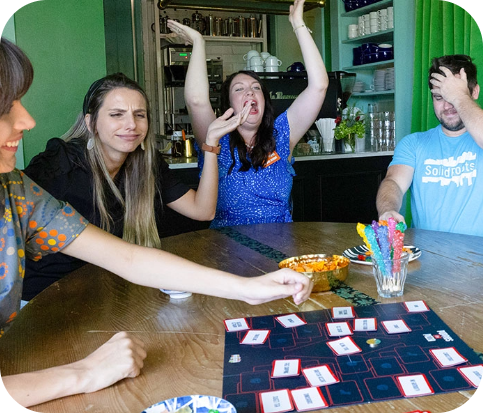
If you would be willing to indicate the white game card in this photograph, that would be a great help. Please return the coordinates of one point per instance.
(255, 337)
(276, 401)
(236, 324)
(365, 324)
(310, 398)
(416, 385)
(447, 357)
(396, 326)
(472, 374)
(416, 306)
(320, 376)
(344, 346)
(339, 329)
(285, 368)
(342, 312)
(290, 320)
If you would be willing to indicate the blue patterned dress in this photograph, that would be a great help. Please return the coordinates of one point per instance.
(33, 223)
(255, 197)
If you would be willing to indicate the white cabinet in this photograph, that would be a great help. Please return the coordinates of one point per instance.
(401, 37)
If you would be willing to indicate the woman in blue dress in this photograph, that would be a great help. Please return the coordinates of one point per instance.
(254, 161)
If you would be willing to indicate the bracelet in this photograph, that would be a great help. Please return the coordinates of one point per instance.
(209, 148)
(299, 27)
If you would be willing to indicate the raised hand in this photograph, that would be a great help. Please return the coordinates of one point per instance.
(226, 123)
(296, 12)
(183, 34)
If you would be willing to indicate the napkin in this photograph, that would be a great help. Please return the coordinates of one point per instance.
(326, 127)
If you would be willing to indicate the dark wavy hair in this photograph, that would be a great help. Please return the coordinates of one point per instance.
(264, 143)
(16, 75)
(455, 63)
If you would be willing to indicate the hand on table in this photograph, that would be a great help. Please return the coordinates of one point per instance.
(120, 357)
(279, 284)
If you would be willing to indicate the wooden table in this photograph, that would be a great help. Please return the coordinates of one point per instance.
(185, 339)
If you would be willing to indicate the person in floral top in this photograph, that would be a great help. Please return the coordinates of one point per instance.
(33, 223)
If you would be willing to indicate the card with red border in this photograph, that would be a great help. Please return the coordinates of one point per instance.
(365, 324)
(395, 327)
(344, 346)
(338, 329)
(320, 376)
(285, 368)
(309, 398)
(416, 306)
(342, 312)
(276, 401)
(472, 374)
(415, 385)
(290, 320)
(255, 337)
(236, 324)
(447, 357)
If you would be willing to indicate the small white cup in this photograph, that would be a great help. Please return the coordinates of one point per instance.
(177, 295)
(273, 61)
(352, 30)
(390, 11)
(272, 69)
(256, 61)
(250, 54)
(258, 68)
(390, 24)
(265, 55)
(374, 15)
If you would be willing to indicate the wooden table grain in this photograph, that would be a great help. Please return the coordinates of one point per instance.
(185, 339)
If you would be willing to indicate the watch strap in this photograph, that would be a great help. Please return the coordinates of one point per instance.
(209, 148)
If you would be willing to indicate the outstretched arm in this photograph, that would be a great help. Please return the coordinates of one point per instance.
(154, 268)
(304, 110)
(120, 357)
(454, 89)
(196, 90)
(391, 192)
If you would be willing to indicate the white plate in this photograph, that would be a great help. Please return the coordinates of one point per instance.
(197, 404)
(353, 252)
(177, 295)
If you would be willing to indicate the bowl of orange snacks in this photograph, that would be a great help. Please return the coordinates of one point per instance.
(325, 270)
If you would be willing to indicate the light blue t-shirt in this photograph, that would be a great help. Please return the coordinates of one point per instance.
(447, 187)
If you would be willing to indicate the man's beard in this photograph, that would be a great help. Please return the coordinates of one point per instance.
(453, 128)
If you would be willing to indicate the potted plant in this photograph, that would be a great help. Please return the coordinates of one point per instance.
(349, 126)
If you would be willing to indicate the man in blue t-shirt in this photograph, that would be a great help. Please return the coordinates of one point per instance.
(443, 166)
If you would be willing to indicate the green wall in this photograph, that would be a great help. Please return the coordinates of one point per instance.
(65, 41)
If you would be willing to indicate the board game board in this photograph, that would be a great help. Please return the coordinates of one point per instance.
(376, 373)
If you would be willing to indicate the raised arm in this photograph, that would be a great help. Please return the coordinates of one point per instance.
(454, 90)
(391, 191)
(201, 204)
(196, 90)
(304, 110)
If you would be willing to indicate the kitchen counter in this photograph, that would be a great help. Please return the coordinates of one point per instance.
(185, 163)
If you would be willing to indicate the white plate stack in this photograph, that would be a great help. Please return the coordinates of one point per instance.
(379, 80)
(389, 78)
(358, 87)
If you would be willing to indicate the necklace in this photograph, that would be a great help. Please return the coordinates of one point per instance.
(249, 146)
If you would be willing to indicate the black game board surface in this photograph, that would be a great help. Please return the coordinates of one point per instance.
(369, 376)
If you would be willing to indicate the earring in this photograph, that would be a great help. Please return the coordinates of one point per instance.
(142, 145)
(90, 144)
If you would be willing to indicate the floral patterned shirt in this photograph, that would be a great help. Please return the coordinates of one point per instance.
(33, 223)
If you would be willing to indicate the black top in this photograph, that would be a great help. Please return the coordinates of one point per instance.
(63, 171)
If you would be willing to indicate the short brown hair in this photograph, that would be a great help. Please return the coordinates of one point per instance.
(455, 63)
(16, 74)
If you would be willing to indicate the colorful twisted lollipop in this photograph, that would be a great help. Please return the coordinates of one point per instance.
(382, 236)
(398, 245)
(391, 225)
(360, 231)
(376, 251)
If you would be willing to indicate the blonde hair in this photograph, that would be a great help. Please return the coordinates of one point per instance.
(140, 169)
